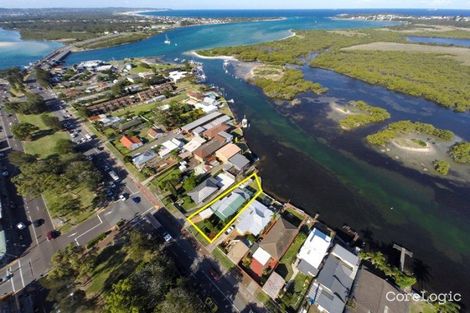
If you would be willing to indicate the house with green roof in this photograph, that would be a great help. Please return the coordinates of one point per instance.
(228, 206)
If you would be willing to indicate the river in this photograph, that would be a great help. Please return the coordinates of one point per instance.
(304, 161)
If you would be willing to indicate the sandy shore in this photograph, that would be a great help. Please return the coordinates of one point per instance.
(6, 44)
(220, 57)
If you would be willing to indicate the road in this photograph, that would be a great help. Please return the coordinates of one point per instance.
(34, 260)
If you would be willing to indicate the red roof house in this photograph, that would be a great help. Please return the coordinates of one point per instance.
(131, 142)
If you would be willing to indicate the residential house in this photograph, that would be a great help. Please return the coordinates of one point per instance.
(193, 144)
(155, 133)
(369, 295)
(237, 249)
(195, 96)
(131, 142)
(168, 146)
(207, 150)
(204, 190)
(330, 290)
(239, 162)
(254, 219)
(312, 252)
(212, 132)
(229, 205)
(226, 136)
(206, 107)
(279, 238)
(227, 151)
(142, 159)
(200, 121)
(274, 285)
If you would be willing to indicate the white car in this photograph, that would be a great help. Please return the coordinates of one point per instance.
(20, 226)
(122, 197)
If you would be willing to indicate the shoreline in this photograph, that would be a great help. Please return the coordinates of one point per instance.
(221, 57)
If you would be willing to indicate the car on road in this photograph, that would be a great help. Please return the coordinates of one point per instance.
(215, 274)
(5, 173)
(21, 225)
(211, 305)
(52, 234)
(136, 199)
(167, 237)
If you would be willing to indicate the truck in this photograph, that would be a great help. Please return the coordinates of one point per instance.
(113, 175)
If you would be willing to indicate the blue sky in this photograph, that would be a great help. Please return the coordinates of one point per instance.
(242, 4)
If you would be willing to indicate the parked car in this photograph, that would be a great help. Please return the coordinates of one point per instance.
(136, 199)
(38, 222)
(52, 234)
(123, 197)
(5, 173)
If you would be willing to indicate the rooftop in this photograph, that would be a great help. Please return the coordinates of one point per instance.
(314, 250)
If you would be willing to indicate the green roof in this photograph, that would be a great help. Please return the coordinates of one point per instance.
(229, 205)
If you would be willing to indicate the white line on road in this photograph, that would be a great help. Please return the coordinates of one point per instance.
(71, 235)
(89, 230)
(149, 209)
(107, 213)
(21, 272)
(11, 280)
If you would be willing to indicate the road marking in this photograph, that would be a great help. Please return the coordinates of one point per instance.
(107, 213)
(149, 209)
(21, 272)
(11, 280)
(89, 230)
(71, 235)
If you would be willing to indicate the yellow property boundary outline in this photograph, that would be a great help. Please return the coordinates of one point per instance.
(260, 190)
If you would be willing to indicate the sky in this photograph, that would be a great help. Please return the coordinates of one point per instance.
(241, 4)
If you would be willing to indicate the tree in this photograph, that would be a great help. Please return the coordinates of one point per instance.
(52, 122)
(442, 167)
(43, 77)
(34, 104)
(64, 146)
(460, 152)
(19, 158)
(24, 131)
(190, 183)
(181, 300)
(447, 307)
(121, 299)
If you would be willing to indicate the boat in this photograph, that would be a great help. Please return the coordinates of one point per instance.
(167, 40)
(231, 101)
(245, 122)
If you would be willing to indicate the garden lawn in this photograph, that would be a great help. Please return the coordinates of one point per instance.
(291, 253)
(86, 200)
(220, 256)
(44, 146)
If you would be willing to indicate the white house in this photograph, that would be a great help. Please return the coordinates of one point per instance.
(312, 252)
(254, 219)
(169, 146)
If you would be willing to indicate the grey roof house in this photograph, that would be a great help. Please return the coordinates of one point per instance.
(239, 161)
(369, 295)
(204, 190)
(331, 288)
(142, 159)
